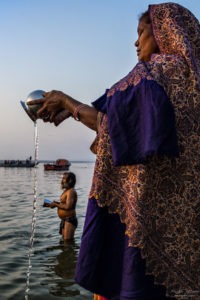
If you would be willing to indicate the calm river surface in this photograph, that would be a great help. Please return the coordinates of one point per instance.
(52, 263)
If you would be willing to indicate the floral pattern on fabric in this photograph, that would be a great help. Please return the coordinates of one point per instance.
(177, 31)
(160, 202)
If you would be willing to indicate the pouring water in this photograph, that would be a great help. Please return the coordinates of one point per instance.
(31, 111)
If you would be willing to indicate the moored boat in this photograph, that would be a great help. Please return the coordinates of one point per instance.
(28, 163)
(58, 165)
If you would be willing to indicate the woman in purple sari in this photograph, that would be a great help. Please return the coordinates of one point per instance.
(141, 237)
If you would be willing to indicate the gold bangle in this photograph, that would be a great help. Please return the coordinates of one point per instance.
(77, 110)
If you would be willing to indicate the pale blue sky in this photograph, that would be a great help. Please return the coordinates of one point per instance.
(80, 47)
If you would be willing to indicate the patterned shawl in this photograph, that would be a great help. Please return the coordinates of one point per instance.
(159, 201)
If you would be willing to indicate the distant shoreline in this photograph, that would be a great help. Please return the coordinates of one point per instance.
(51, 161)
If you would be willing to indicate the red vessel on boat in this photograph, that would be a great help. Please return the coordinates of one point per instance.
(58, 165)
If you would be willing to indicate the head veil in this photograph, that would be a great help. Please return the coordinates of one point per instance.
(177, 31)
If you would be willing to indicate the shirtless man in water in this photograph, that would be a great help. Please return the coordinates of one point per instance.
(66, 206)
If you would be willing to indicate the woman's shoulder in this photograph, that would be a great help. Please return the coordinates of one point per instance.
(165, 62)
(159, 68)
(169, 70)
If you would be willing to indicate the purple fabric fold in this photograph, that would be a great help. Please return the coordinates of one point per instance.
(101, 103)
(107, 265)
(141, 123)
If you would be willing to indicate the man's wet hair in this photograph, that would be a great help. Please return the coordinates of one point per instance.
(71, 179)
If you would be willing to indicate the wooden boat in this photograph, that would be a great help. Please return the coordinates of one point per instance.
(58, 165)
(18, 163)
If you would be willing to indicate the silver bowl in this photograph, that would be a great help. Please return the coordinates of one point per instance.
(31, 110)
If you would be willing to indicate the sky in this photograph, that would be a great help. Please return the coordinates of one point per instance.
(80, 47)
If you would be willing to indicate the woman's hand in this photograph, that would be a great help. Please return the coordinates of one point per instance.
(61, 116)
(53, 107)
(57, 106)
(54, 103)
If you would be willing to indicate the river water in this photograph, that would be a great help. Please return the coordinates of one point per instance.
(52, 263)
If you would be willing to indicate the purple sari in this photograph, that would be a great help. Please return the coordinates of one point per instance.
(141, 233)
(106, 264)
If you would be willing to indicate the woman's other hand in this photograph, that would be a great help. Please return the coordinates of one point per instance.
(60, 117)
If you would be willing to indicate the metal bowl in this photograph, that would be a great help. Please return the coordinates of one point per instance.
(31, 110)
(35, 95)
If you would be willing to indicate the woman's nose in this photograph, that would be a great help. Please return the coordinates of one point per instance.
(136, 43)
